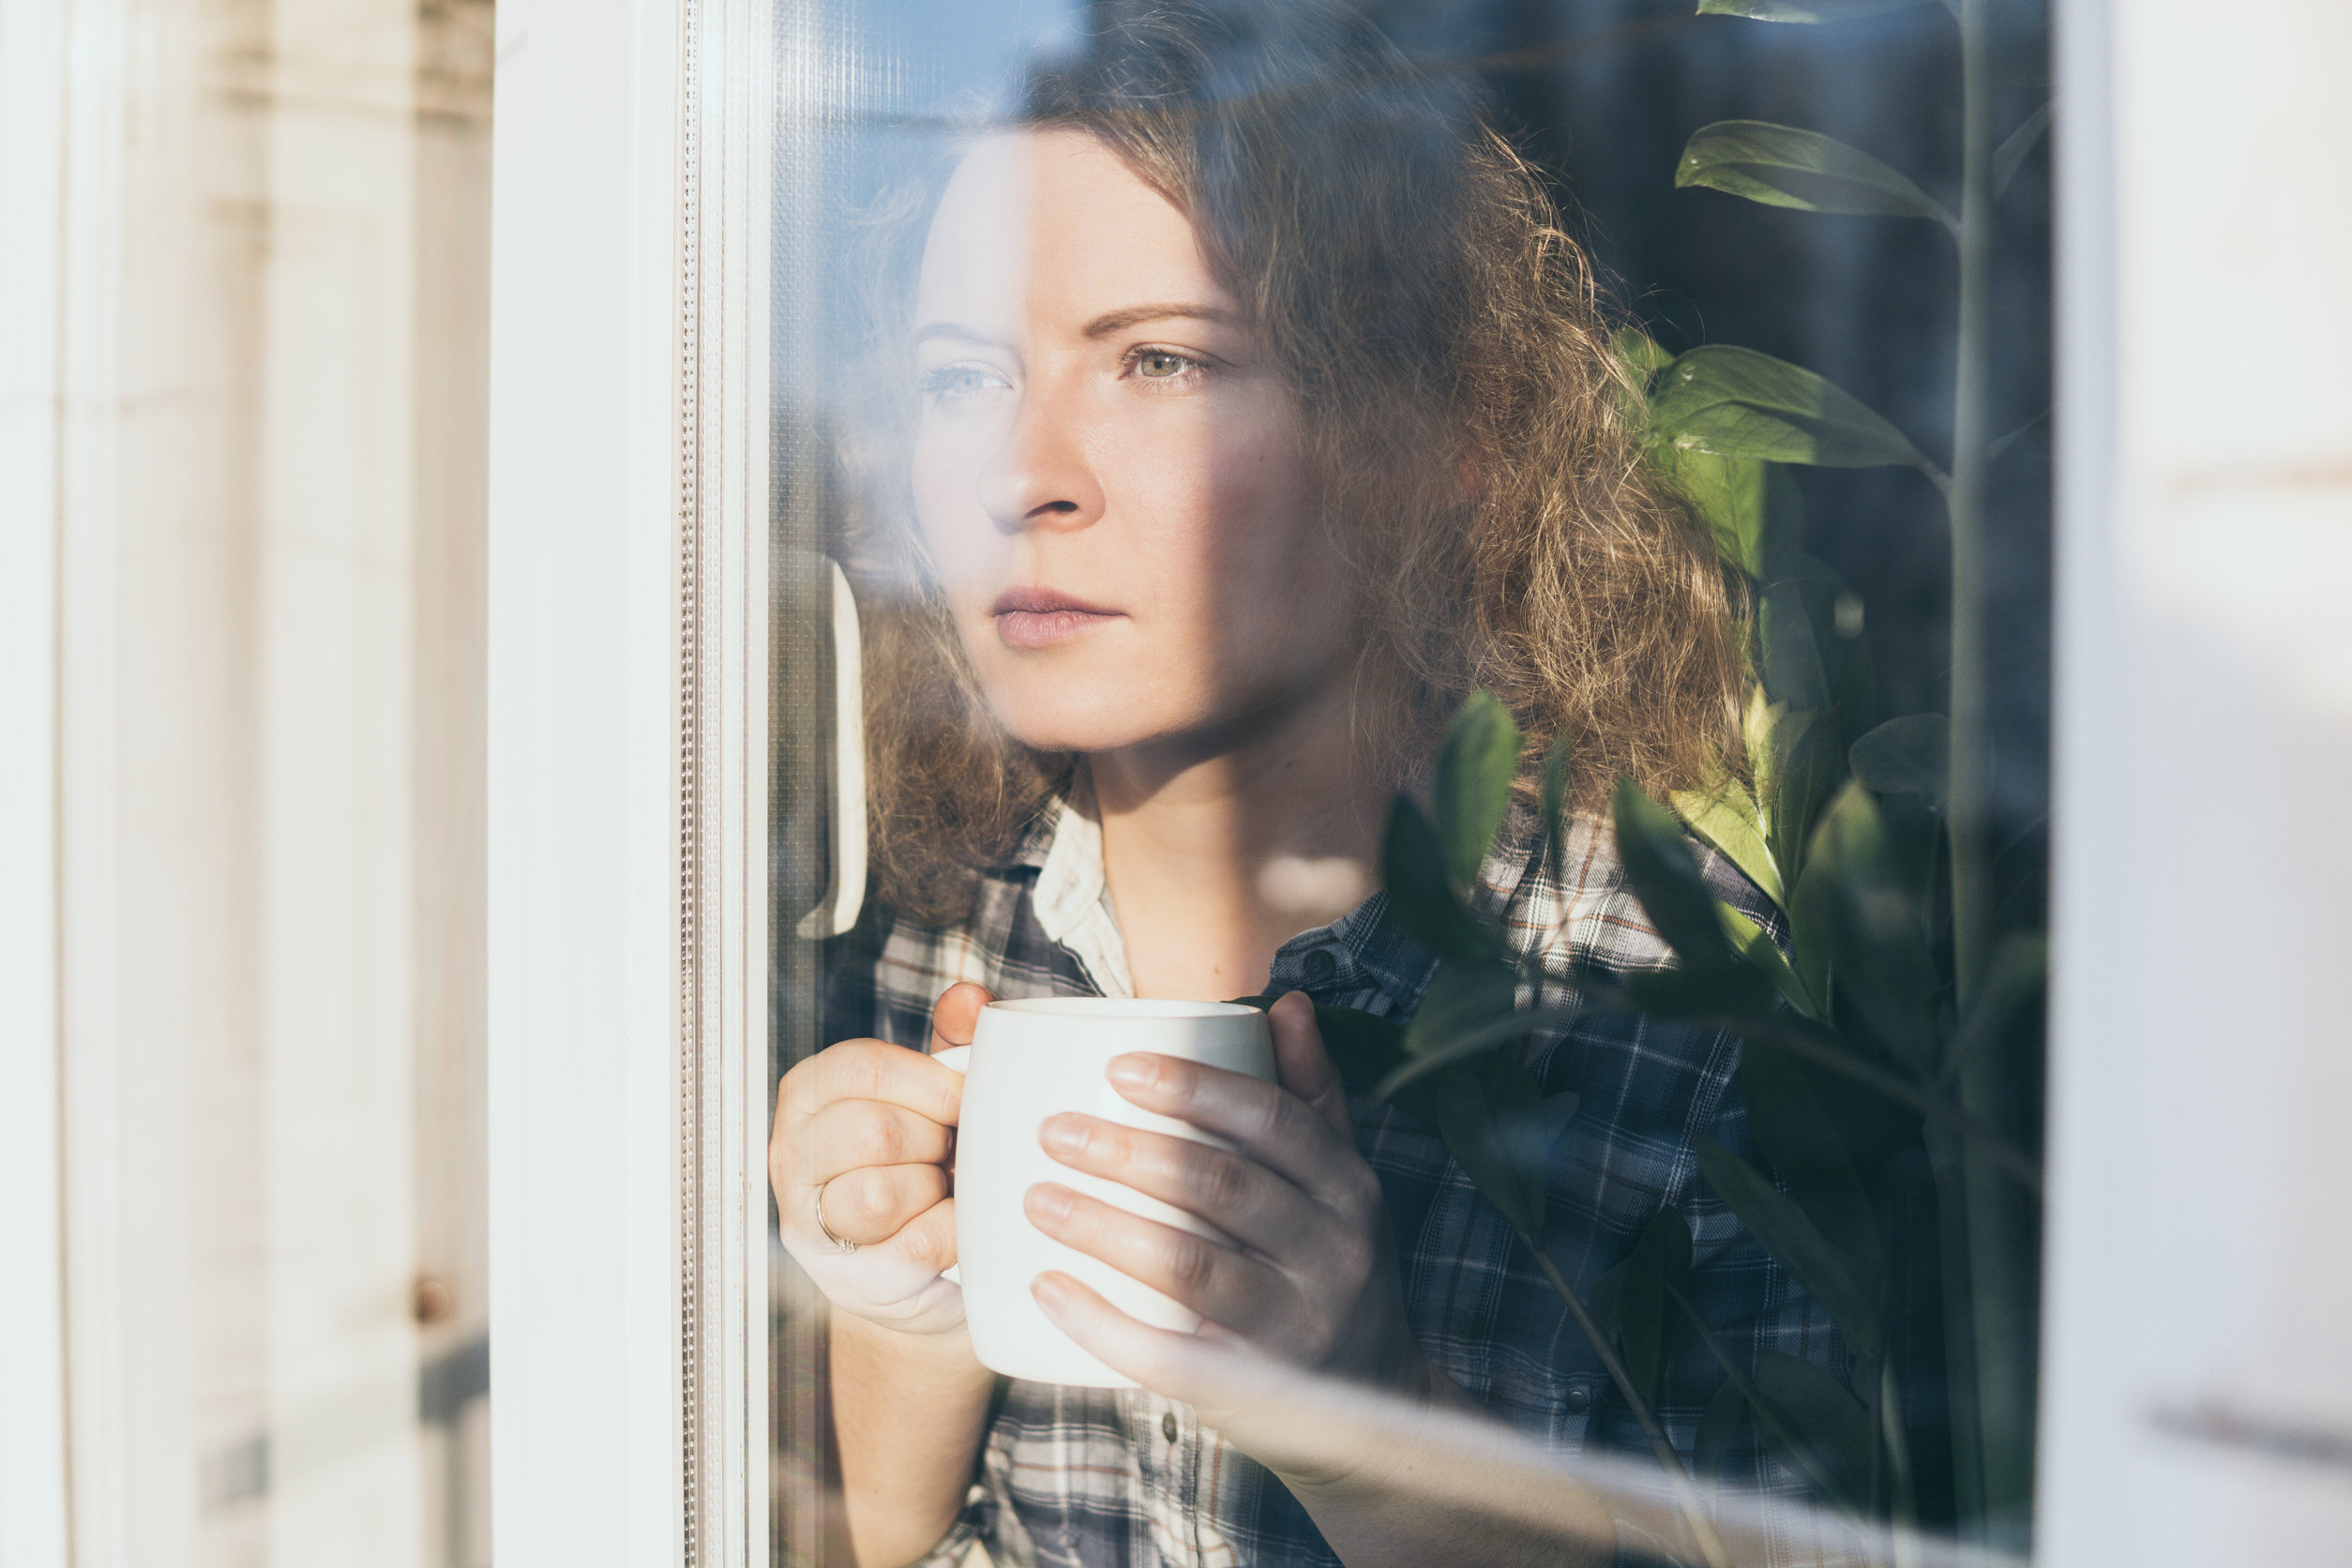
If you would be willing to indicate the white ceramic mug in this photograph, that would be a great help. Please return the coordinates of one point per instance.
(1029, 1060)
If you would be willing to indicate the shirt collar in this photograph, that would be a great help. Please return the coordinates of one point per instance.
(1364, 959)
(1071, 898)
(1361, 959)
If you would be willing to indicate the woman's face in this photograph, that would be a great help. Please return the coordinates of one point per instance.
(1107, 469)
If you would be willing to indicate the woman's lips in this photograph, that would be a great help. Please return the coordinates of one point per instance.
(1041, 617)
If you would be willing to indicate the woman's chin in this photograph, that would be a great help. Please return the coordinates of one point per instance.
(1112, 721)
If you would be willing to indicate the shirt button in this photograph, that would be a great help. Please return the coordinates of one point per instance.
(1168, 1424)
(1579, 1399)
(1320, 965)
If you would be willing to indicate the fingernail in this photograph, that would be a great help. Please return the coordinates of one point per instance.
(1132, 1072)
(1049, 1205)
(1052, 1292)
(1064, 1135)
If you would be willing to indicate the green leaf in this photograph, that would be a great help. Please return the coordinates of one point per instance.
(1783, 167)
(2016, 146)
(1459, 998)
(1724, 996)
(1665, 878)
(1421, 894)
(1803, 10)
(1491, 1116)
(1795, 1241)
(1795, 1132)
(1749, 941)
(1835, 616)
(1559, 1111)
(1719, 1432)
(1906, 755)
(1473, 784)
(1555, 786)
(1655, 1274)
(1411, 1067)
(1795, 759)
(1736, 402)
(1727, 816)
(1602, 1305)
(1639, 355)
(2013, 975)
(1822, 1414)
(1860, 894)
(1742, 502)
(1793, 672)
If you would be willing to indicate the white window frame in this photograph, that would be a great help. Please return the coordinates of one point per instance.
(629, 783)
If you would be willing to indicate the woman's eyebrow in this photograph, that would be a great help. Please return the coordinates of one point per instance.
(1119, 321)
(932, 331)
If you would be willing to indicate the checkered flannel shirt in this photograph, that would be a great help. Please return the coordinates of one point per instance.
(1074, 1476)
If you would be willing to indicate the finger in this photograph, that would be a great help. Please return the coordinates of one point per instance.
(1303, 1065)
(926, 1244)
(1240, 1197)
(869, 1206)
(1268, 1124)
(1181, 1366)
(872, 1070)
(848, 1134)
(956, 1014)
(1218, 1282)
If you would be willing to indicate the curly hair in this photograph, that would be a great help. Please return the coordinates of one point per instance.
(1479, 443)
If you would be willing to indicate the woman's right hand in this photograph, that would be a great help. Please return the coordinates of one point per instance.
(867, 1128)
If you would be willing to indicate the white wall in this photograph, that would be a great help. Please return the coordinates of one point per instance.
(232, 266)
(2197, 1321)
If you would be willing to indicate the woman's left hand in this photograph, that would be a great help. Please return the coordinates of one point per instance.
(1315, 1283)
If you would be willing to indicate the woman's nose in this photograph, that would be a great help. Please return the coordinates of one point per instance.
(1040, 477)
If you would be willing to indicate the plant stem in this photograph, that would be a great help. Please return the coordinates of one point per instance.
(1969, 788)
(1795, 1450)
(2000, 1268)
(1960, 1379)
(1895, 1438)
(1711, 1545)
(2002, 1281)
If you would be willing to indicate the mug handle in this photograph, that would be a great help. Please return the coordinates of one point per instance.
(955, 1059)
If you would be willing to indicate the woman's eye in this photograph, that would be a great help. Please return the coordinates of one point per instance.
(953, 383)
(1162, 364)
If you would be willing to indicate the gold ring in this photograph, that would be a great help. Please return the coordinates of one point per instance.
(839, 1245)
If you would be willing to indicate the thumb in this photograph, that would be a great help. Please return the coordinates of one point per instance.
(956, 1014)
(1302, 1064)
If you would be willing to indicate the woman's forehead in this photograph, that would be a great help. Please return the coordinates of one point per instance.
(1054, 221)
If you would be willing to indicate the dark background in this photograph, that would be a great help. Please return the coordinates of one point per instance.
(1605, 93)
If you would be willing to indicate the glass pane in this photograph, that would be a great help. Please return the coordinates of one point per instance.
(1528, 525)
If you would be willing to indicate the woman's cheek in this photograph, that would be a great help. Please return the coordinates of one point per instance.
(962, 542)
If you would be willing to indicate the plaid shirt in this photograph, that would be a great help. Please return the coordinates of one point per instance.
(1080, 1476)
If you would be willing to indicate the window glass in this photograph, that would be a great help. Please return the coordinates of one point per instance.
(1527, 525)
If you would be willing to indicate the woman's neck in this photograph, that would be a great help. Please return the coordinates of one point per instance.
(1218, 848)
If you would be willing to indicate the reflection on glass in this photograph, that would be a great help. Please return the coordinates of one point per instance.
(1283, 579)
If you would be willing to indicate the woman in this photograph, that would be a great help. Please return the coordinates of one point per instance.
(1261, 413)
